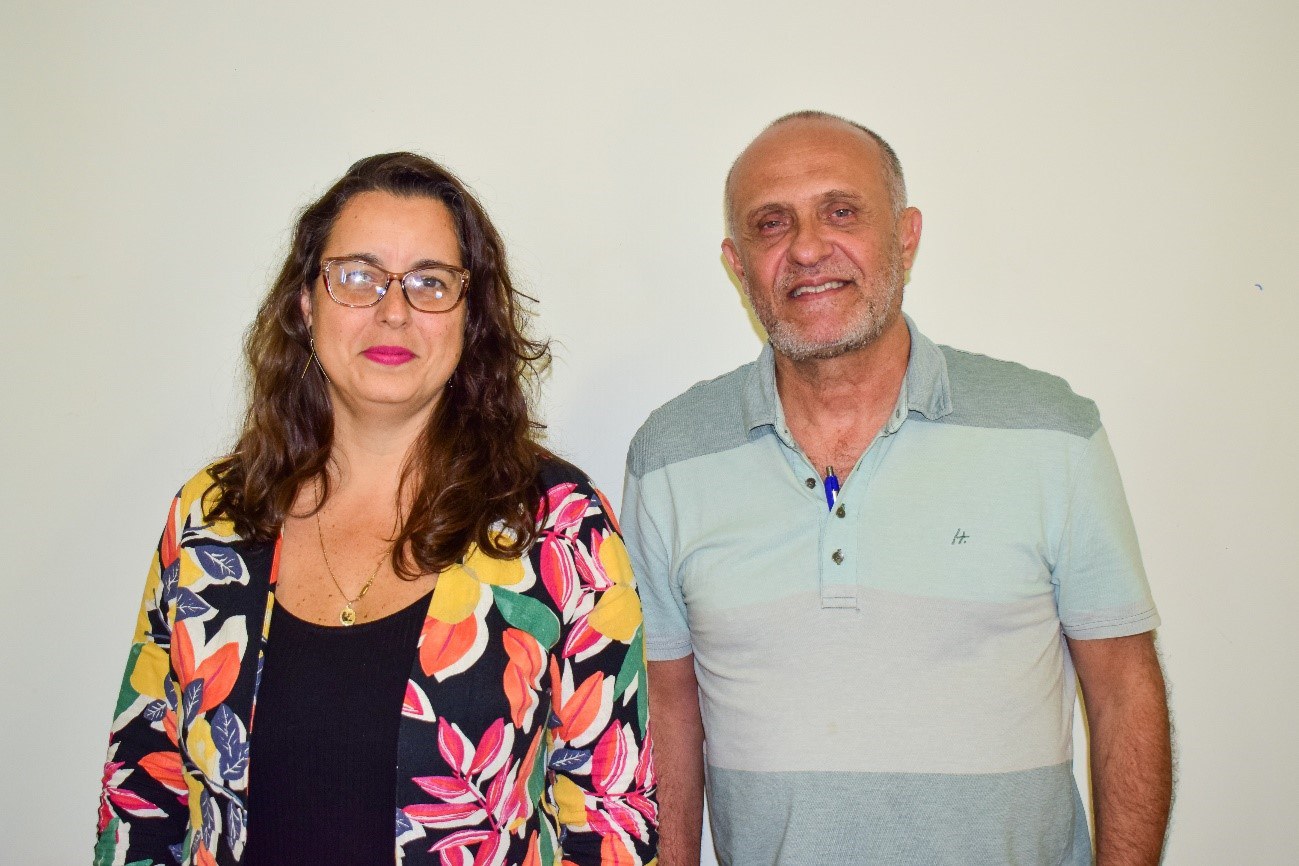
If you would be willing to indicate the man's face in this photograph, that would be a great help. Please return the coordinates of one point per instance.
(815, 242)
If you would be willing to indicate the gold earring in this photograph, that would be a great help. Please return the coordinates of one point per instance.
(314, 357)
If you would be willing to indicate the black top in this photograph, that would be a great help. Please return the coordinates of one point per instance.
(322, 767)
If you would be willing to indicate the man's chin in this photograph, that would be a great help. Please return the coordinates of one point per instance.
(796, 347)
(802, 347)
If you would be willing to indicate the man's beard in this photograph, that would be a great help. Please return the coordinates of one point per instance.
(880, 295)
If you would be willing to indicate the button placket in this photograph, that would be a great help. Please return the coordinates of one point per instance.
(838, 566)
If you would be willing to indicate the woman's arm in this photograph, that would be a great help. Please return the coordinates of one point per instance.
(602, 770)
(143, 806)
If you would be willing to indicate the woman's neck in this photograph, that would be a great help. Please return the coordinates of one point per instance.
(369, 454)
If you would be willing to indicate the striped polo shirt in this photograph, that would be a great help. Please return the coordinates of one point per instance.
(887, 681)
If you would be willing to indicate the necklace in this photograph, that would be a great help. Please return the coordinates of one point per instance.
(347, 616)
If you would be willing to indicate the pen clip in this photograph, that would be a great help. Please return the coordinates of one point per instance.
(831, 487)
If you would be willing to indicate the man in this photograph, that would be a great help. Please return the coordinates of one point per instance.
(890, 678)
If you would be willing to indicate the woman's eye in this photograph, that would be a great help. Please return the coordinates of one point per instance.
(358, 278)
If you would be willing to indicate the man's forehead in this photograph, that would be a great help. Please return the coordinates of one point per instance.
(807, 158)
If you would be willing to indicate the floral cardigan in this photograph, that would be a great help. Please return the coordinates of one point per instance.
(523, 736)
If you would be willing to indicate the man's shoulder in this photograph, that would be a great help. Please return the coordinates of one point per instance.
(707, 418)
(989, 392)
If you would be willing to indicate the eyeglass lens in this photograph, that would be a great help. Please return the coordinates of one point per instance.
(358, 284)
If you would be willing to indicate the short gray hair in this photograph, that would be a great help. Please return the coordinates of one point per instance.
(893, 179)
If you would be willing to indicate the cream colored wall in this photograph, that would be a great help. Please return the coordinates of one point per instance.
(1109, 192)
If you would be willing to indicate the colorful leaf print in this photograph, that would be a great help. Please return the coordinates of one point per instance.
(443, 646)
(166, 769)
(633, 664)
(565, 507)
(625, 818)
(446, 815)
(189, 605)
(232, 743)
(645, 776)
(495, 572)
(559, 573)
(218, 673)
(613, 762)
(451, 789)
(454, 745)
(126, 800)
(571, 801)
(522, 676)
(149, 671)
(203, 856)
(583, 713)
(569, 760)
(220, 564)
(455, 631)
(583, 640)
(533, 857)
(416, 705)
(617, 614)
(168, 551)
(560, 721)
(492, 749)
(614, 852)
(528, 614)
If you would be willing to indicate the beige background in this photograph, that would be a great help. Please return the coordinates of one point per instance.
(1110, 194)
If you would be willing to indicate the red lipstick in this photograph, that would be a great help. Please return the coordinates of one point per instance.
(390, 356)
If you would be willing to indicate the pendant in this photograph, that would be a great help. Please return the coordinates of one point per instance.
(347, 616)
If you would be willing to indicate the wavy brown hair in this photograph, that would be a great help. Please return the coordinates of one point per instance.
(473, 472)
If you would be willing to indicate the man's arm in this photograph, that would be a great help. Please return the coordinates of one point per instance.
(678, 732)
(1131, 751)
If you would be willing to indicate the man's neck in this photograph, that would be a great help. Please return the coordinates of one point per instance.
(834, 407)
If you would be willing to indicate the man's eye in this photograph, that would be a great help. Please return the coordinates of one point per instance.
(842, 213)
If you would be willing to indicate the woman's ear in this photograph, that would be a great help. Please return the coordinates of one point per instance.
(304, 299)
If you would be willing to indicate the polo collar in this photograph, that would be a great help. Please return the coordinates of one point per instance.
(925, 389)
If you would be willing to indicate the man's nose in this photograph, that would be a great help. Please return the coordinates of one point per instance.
(810, 244)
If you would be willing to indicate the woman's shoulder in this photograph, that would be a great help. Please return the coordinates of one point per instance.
(555, 471)
(196, 498)
(564, 487)
(198, 486)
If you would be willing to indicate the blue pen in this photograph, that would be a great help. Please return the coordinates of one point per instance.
(831, 487)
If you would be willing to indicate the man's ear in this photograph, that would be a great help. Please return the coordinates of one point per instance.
(732, 256)
(909, 225)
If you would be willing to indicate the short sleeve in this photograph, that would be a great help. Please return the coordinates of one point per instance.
(645, 514)
(1100, 582)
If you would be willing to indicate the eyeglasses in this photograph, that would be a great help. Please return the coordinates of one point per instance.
(357, 283)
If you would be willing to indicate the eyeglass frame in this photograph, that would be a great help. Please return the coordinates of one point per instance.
(463, 273)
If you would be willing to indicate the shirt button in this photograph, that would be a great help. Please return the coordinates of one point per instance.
(840, 512)
(837, 556)
(811, 483)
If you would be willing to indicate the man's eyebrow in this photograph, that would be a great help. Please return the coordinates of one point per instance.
(764, 208)
(842, 194)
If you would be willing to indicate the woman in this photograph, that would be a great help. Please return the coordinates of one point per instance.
(395, 573)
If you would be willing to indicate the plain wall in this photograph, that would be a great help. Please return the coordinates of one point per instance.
(1109, 192)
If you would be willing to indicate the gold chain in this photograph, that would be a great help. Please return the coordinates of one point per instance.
(347, 616)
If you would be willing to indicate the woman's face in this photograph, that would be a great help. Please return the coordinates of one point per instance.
(389, 359)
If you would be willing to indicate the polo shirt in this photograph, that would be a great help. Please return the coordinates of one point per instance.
(887, 681)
